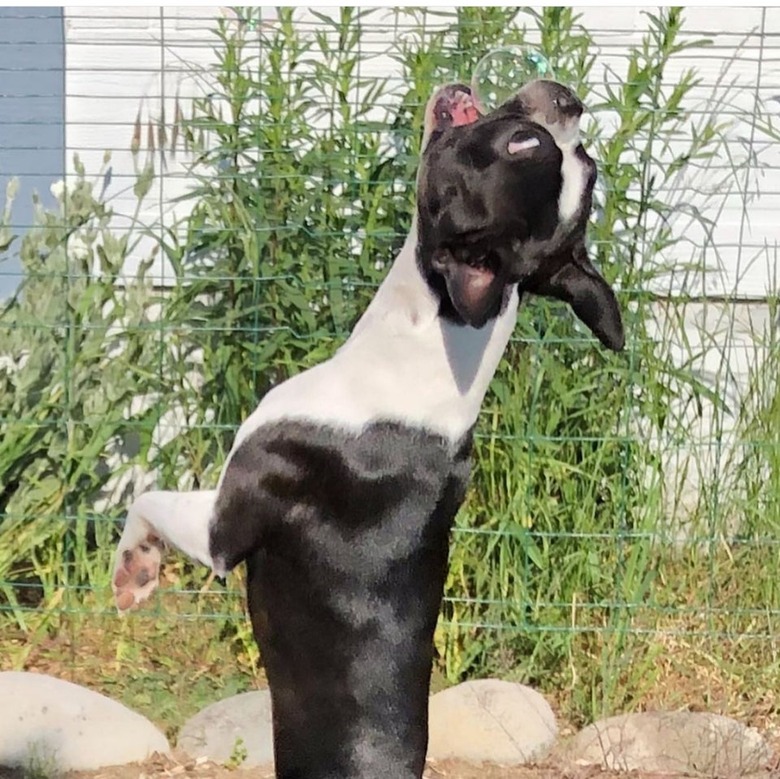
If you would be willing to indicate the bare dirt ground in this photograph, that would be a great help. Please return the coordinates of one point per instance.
(181, 767)
(173, 768)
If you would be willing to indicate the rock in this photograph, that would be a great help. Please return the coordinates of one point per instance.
(57, 726)
(670, 742)
(490, 720)
(214, 732)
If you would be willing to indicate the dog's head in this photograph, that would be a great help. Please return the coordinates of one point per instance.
(486, 185)
(484, 182)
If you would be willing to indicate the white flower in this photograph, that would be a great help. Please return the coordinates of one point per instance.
(57, 189)
(11, 189)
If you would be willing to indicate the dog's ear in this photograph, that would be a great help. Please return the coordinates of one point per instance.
(476, 292)
(580, 285)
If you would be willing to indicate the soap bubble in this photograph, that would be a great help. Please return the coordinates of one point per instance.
(501, 73)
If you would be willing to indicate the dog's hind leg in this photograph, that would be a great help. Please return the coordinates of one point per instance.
(156, 520)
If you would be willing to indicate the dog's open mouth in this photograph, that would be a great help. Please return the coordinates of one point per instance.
(484, 265)
(478, 275)
(478, 259)
(474, 280)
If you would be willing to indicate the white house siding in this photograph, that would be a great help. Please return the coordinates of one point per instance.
(119, 59)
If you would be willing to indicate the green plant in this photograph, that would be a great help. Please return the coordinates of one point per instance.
(556, 558)
(293, 214)
(238, 755)
(78, 350)
(40, 764)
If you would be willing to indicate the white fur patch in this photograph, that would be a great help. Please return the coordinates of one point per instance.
(181, 519)
(575, 180)
(402, 363)
(565, 133)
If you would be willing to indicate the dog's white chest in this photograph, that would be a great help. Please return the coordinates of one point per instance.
(574, 173)
(433, 380)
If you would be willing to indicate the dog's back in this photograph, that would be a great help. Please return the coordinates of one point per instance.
(349, 537)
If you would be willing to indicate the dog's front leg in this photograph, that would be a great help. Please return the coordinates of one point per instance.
(156, 520)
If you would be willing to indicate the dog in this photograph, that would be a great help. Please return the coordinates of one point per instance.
(342, 486)
(545, 252)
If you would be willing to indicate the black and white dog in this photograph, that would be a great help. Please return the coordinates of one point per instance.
(342, 486)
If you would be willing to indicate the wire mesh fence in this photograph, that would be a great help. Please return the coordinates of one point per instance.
(219, 193)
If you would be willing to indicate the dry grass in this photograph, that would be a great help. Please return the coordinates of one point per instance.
(139, 661)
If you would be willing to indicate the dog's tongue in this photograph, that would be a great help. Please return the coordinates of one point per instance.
(474, 292)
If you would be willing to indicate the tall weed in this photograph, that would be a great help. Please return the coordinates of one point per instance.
(77, 354)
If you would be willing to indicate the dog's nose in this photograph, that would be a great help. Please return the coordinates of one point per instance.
(570, 105)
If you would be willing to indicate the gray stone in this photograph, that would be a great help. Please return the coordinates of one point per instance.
(490, 720)
(670, 742)
(214, 732)
(56, 726)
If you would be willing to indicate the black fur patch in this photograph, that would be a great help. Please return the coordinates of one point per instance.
(346, 542)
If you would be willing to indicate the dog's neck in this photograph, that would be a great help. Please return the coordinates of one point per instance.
(402, 363)
(445, 367)
(404, 300)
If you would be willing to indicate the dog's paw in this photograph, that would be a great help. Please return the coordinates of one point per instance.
(137, 572)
